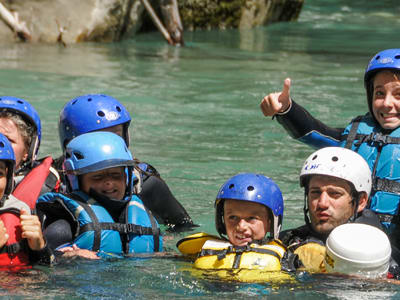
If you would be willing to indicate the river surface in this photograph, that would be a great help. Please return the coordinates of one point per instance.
(196, 118)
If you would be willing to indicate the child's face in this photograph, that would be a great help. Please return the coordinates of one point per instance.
(3, 178)
(108, 182)
(245, 221)
(386, 99)
(13, 134)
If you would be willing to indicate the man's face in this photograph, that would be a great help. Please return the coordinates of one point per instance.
(330, 203)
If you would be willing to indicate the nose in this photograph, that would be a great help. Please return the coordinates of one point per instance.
(388, 102)
(323, 201)
(242, 225)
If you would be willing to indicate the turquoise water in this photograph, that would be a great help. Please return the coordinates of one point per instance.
(196, 118)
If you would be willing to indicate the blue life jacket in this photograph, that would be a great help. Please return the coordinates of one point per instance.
(97, 231)
(381, 150)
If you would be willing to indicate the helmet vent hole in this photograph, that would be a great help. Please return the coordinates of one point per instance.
(231, 186)
(118, 108)
(250, 188)
(315, 157)
(397, 57)
(100, 113)
(74, 102)
(378, 57)
(335, 158)
(89, 99)
(1, 145)
(78, 155)
(20, 102)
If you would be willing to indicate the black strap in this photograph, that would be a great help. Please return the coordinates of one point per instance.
(352, 133)
(14, 248)
(155, 230)
(96, 227)
(121, 228)
(238, 251)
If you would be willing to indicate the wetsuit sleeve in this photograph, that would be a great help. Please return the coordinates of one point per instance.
(301, 125)
(157, 197)
(44, 256)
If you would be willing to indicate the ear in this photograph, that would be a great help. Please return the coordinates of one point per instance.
(362, 202)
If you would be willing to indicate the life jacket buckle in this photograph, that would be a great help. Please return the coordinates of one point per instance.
(13, 248)
(378, 138)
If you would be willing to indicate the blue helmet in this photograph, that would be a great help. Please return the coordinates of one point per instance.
(89, 113)
(7, 155)
(29, 115)
(96, 151)
(385, 60)
(253, 188)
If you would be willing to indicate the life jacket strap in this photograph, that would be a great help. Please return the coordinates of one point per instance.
(121, 228)
(13, 248)
(386, 185)
(221, 253)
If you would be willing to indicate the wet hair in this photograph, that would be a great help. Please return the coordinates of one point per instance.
(26, 130)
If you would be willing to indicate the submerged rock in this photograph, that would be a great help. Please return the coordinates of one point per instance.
(73, 21)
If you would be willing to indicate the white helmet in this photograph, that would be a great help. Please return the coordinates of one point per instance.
(341, 163)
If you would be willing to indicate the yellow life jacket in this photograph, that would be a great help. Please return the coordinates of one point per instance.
(218, 259)
(219, 254)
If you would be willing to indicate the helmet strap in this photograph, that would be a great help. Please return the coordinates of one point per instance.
(355, 200)
(305, 208)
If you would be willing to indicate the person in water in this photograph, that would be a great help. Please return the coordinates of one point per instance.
(20, 123)
(21, 238)
(248, 217)
(99, 212)
(337, 182)
(375, 135)
(95, 112)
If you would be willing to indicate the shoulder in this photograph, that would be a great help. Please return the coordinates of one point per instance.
(12, 202)
(368, 217)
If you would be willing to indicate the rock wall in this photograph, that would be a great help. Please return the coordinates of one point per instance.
(72, 21)
(222, 14)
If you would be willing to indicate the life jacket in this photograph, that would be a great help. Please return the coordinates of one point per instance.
(97, 231)
(215, 258)
(14, 254)
(219, 254)
(381, 150)
(31, 186)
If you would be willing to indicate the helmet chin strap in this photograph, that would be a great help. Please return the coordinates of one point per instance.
(305, 209)
(356, 199)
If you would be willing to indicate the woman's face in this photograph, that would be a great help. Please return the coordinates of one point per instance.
(386, 100)
(12, 133)
(108, 182)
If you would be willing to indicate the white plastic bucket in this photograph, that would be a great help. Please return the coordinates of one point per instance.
(358, 249)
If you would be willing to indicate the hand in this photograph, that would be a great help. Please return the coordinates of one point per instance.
(276, 102)
(312, 256)
(3, 234)
(76, 251)
(32, 231)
